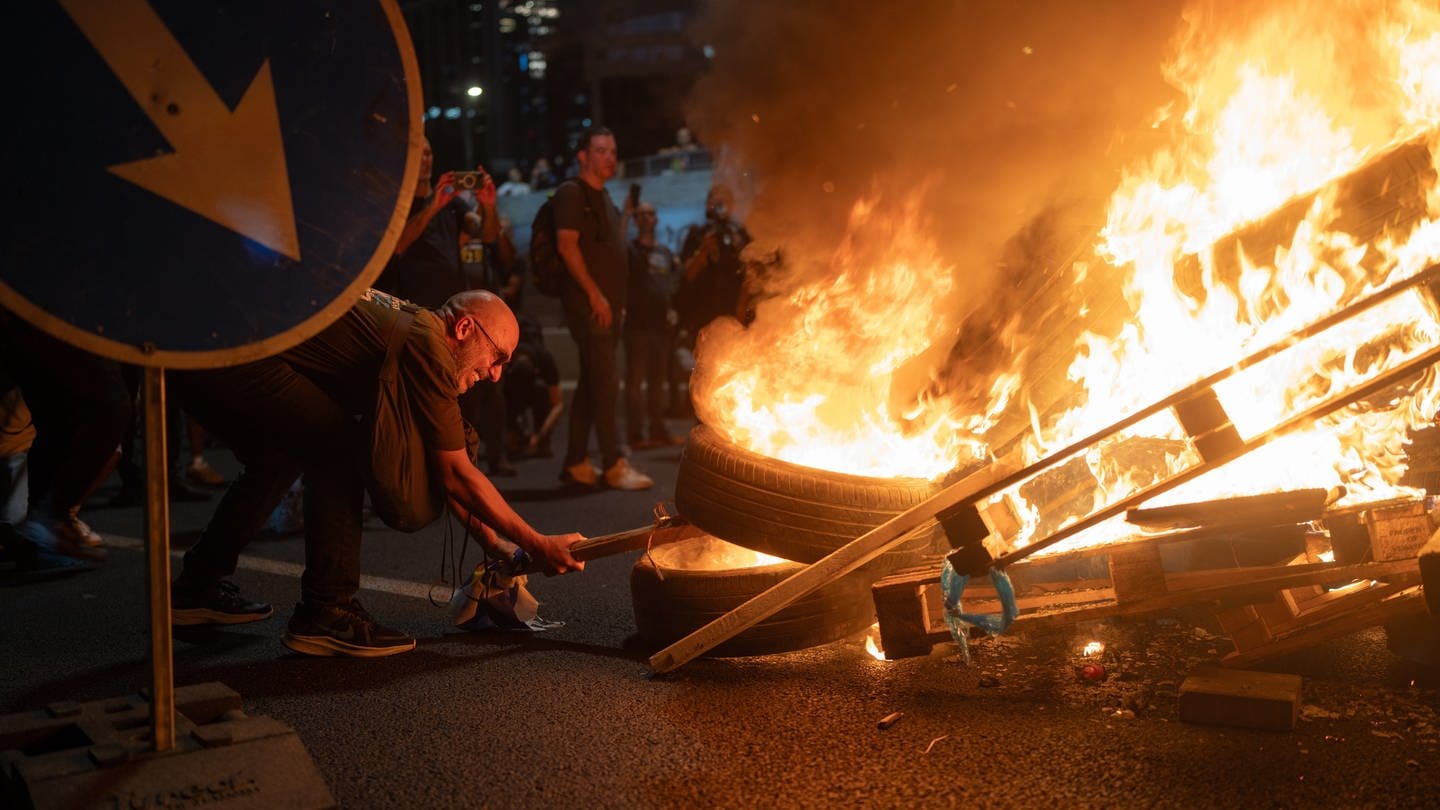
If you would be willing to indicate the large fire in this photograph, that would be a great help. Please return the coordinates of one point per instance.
(1277, 114)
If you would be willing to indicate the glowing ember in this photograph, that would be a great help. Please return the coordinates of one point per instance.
(1282, 113)
(705, 553)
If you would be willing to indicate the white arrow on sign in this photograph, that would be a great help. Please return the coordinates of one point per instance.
(227, 166)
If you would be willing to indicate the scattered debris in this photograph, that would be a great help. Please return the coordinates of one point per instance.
(1312, 712)
(937, 739)
(889, 720)
(988, 681)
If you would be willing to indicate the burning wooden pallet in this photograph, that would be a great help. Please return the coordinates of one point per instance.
(1265, 609)
(1210, 435)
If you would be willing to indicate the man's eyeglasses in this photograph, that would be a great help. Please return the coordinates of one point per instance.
(504, 355)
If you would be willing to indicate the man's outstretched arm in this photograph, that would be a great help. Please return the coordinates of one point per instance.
(472, 491)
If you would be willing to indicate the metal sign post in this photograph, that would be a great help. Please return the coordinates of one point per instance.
(198, 185)
(157, 554)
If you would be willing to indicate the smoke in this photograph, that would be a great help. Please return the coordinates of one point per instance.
(1008, 122)
(996, 111)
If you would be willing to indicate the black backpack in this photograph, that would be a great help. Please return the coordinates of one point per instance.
(546, 266)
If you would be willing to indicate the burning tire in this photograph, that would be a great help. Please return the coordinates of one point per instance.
(674, 595)
(790, 511)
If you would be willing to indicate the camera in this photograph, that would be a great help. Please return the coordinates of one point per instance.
(469, 181)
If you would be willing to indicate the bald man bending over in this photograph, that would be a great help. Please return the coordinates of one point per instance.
(296, 413)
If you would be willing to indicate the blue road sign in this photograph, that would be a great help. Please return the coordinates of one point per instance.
(200, 184)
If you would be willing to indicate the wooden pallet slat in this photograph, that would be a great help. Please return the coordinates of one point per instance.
(1257, 606)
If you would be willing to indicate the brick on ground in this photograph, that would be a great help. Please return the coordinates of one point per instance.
(1233, 697)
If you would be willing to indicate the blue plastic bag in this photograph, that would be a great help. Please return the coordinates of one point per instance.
(952, 584)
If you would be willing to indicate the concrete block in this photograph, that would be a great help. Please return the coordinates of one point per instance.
(98, 754)
(1228, 697)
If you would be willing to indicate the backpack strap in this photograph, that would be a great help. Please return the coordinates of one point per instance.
(585, 191)
(389, 369)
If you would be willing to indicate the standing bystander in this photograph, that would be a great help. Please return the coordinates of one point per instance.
(590, 238)
(649, 333)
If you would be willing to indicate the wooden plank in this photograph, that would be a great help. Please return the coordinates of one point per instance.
(1135, 572)
(1223, 583)
(904, 621)
(1244, 627)
(1336, 604)
(1297, 506)
(1408, 603)
(1073, 611)
(1301, 599)
(1398, 532)
(633, 540)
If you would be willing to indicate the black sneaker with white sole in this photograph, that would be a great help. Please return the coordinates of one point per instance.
(346, 630)
(218, 603)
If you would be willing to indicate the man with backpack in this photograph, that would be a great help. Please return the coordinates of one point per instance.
(590, 241)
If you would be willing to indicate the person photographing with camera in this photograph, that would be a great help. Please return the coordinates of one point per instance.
(714, 276)
(427, 270)
(426, 266)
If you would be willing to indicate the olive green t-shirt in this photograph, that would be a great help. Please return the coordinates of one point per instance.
(345, 360)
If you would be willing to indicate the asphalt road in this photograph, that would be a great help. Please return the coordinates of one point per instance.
(573, 717)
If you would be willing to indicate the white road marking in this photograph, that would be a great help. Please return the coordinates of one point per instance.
(418, 590)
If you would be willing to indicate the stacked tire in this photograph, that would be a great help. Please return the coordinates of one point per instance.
(795, 513)
(671, 601)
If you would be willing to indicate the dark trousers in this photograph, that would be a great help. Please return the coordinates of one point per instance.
(132, 474)
(527, 399)
(483, 406)
(597, 390)
(80, 408)
(647, 367)
(280, 424)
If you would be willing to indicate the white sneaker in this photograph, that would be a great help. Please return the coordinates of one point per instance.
(622, 476)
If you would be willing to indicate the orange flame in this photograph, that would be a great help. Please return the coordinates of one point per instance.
(810, 382)
(1282, 107)
(872, 643)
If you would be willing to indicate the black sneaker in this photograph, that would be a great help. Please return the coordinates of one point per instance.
(221, 603)
(342, 630)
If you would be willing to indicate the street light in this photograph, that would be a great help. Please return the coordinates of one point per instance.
(474, 91)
